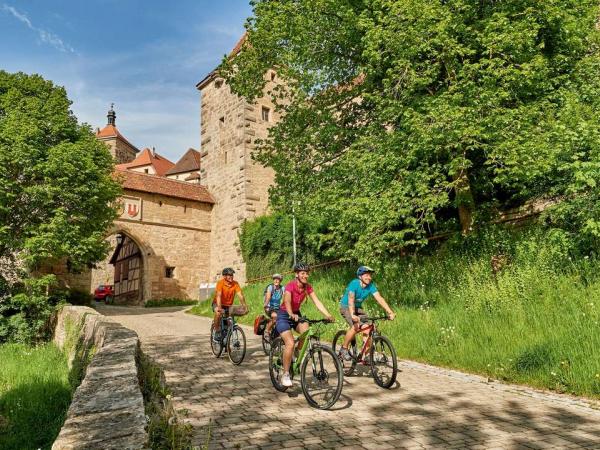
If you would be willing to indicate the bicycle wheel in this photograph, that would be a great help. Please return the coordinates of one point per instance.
(216, 347)
(321, 377)
(266, 342)
(384, 364)
(236, 345)
(338, 340)
(276, 364)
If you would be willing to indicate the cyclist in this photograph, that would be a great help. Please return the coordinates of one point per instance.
(289, 316)
(357, 291)
(273, 296)
(225, 292)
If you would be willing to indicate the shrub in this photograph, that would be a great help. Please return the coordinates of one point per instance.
(266, 244)
(25, 313)
(79, 297)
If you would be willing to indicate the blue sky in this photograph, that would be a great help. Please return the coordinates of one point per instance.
(145, 56)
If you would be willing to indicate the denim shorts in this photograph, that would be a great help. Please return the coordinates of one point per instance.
(285, 322)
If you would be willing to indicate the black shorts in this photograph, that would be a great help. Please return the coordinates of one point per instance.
(224, 308)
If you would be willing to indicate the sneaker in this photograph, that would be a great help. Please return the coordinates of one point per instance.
(345, 354)
(286, 380)
(215, 337)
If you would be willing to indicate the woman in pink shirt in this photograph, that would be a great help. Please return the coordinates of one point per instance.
(288, 317)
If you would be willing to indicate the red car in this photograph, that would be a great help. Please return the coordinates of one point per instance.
(104, 292)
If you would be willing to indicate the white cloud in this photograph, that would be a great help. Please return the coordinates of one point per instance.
(45, 36)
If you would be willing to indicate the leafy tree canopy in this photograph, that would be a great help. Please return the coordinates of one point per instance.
(406, 117)
(56, 189)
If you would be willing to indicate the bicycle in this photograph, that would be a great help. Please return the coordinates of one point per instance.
(314, 380)
(380, 351)
(268, 338)
(232, 338)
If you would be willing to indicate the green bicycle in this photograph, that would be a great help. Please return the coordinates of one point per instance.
(321, 372)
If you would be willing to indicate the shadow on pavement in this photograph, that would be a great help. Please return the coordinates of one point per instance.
(237, 406)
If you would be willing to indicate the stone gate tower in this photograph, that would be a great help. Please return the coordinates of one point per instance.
(229, 127)
(120, 148)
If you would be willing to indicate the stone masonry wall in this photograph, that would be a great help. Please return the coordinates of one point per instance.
(229, 128)
(173, 232)
(107, 410)
(120, 150)
(185, 246)
(223, 167)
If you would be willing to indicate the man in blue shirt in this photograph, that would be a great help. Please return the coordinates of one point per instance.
(357, 291)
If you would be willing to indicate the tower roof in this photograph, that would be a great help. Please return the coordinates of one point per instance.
(189, 162)
(110, 131)
(238, 48)
(149, 158)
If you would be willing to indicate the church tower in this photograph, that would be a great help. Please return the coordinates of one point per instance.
(229, 127)
(120, 148)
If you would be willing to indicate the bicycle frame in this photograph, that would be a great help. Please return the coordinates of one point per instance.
(372, 329)
(308, 337)
(366, 342)
(227, 323)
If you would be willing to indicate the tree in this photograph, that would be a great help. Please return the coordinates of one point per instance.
(57, 197)
(406, 117)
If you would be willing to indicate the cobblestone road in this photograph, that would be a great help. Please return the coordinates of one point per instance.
(432, 408)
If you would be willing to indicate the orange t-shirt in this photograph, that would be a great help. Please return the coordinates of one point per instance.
(227, 290)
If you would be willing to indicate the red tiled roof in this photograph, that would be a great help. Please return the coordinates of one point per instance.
(161, 164)
(111, 131)
(239, 45)
(142, 182)
(189, 162)
(238, 48)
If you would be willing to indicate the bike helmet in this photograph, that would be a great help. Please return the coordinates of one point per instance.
(228, 271)
(299, 267)
(363, 269)
(278, 276)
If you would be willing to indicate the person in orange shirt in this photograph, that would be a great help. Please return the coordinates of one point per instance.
(225, 292)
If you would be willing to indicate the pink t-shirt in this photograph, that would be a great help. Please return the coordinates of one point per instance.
(298, 295)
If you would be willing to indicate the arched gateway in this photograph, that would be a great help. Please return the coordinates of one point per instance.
(127, 260)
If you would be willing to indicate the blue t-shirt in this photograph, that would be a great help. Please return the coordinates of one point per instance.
(276, 296)
(360, 293)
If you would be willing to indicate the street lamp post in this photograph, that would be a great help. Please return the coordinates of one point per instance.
(294, 234)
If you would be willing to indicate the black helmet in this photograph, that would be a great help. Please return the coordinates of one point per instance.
(301, 267)
(228, 271)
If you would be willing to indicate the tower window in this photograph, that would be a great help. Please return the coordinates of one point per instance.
(145, 170)
(170, 272)
(265, 113)
(222, 120)
(226, 157)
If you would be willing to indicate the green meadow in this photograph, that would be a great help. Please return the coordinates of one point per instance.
(34, 395)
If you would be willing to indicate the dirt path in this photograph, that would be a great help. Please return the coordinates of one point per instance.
(432, 408)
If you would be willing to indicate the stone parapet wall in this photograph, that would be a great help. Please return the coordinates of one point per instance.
(107, 410)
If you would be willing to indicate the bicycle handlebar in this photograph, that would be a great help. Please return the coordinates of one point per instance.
(314, 321)
(373, 319)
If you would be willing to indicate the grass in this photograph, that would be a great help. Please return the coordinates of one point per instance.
(162, 302)
(34, 395)
(165, 429)
(537, 322)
